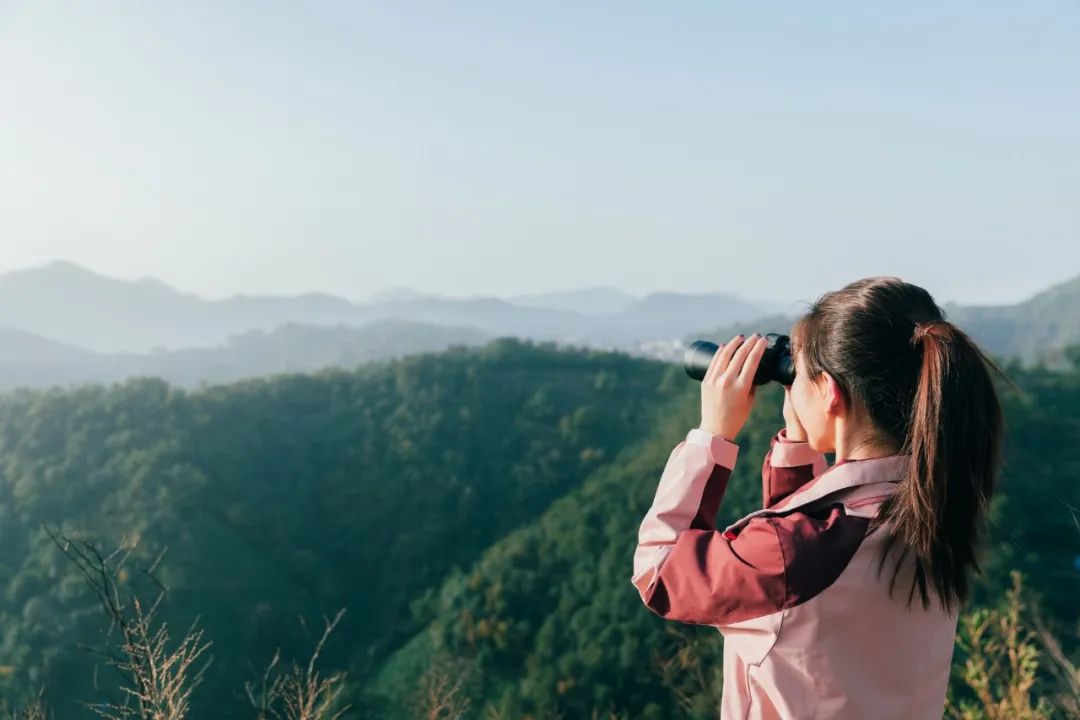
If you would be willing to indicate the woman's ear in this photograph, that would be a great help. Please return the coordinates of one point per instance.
(834, 399)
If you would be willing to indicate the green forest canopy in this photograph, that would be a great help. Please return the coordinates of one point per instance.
(476, 508)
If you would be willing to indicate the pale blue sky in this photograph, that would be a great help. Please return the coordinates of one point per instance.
(498, 148)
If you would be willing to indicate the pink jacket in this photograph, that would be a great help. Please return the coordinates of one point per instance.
(809, 629)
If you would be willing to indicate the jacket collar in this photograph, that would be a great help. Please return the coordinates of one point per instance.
(845, 475)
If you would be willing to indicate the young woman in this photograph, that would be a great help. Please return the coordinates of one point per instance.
(839, 598)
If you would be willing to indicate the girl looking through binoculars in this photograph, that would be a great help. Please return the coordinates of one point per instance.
(839, 597)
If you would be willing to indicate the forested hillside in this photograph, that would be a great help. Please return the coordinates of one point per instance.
(547, 624)
(296, 495)
(475, 512)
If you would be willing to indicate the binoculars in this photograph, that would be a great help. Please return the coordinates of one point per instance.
(776, 362)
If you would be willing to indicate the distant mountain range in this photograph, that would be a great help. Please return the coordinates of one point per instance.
(31, 361)
(63, 324)
(1038, 329)
(588, 301)
(72, 305)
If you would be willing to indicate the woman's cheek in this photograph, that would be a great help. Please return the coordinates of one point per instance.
(817, 429)
(805, 411)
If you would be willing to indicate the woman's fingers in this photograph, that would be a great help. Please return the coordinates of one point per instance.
(723, 357)
(753, 359)
(734, 368)
(711, 370)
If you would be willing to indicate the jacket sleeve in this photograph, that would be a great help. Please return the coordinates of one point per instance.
(788, 465)
(687, 570)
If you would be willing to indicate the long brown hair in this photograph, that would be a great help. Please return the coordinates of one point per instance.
(923, 387)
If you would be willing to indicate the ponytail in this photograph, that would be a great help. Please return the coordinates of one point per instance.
(923, 388)
(954, 438)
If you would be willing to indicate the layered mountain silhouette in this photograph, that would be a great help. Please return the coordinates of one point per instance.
(67, 303)
(31, 361)
(589, 301)
(1037, 330)
(61, 324)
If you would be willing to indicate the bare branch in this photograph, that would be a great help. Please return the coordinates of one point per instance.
(300, 693)
(156, 682)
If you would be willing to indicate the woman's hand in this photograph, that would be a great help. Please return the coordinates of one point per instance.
(795, 430)
(728, 390)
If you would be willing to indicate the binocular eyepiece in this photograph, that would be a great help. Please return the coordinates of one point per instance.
(776, 362)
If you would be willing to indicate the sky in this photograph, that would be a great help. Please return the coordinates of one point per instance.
(468, 148)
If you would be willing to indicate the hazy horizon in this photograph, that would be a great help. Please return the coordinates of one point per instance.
(555, 291)
(770, 152)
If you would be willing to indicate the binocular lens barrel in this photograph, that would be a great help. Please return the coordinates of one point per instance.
(698, 358)
(776, 362)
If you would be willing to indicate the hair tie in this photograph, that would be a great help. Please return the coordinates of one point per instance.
(923, 328)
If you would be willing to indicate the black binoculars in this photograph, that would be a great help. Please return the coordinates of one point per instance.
(776, 362)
